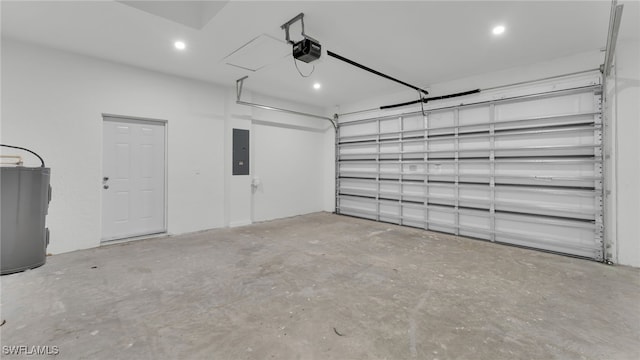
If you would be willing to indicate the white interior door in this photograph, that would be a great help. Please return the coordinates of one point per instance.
(133, 186)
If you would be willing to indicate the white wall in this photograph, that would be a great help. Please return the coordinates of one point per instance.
(52, 102)
(624, 96)
(623, 132)
(293, 182)
(238, 188)
(625, 245)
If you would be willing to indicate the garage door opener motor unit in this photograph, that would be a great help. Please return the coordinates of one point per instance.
(308, 49)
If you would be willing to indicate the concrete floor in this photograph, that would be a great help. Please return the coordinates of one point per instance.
(322, 286)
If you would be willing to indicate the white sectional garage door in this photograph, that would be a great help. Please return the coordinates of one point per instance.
(521, 169)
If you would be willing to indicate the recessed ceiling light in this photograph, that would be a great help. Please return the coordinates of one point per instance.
(180, 45)
(498, 30)
(317, 86)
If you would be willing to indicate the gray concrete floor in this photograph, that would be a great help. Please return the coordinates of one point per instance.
(322, 286)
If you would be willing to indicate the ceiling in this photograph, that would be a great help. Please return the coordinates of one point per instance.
(420, 42)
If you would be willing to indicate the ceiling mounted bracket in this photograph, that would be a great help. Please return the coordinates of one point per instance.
(239, 84)
(286, 26)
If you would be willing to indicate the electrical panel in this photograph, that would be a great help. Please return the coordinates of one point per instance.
(240, 152)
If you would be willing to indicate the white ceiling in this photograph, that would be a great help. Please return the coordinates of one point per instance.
(420, 42)
(195, 14)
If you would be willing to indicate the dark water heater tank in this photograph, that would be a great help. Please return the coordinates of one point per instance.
(25, 200)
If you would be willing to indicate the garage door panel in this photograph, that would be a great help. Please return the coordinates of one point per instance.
(358, 207)
(564, 139)
(390, 167)
(544, 182)
(358, 191)
(356, 157)
(441, 145)
(417, 189)
(414, 146)
(411, 177)
(441, 190)
(548, 122)
(357, 149)
(546, 106)
(413, 123)
(434, 133)
(561, 203)
(358, 167)
(390, 187)
(390, 211)
(414, 167)
(524, 171)
(389, 148)
(473, 143)
(390, 125)
(443, 168)
(474, 168)
(469, 195)
(552, 168)
(573, 237)
(473, 130)
(441, 219)
(478, 115)
(441, 118)
(480, 220)
(556, 151)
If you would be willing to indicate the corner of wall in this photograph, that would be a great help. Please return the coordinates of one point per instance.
(625, 112)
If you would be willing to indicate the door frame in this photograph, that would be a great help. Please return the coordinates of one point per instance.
(165, 123)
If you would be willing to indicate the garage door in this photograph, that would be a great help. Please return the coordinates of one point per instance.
(523, 169)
